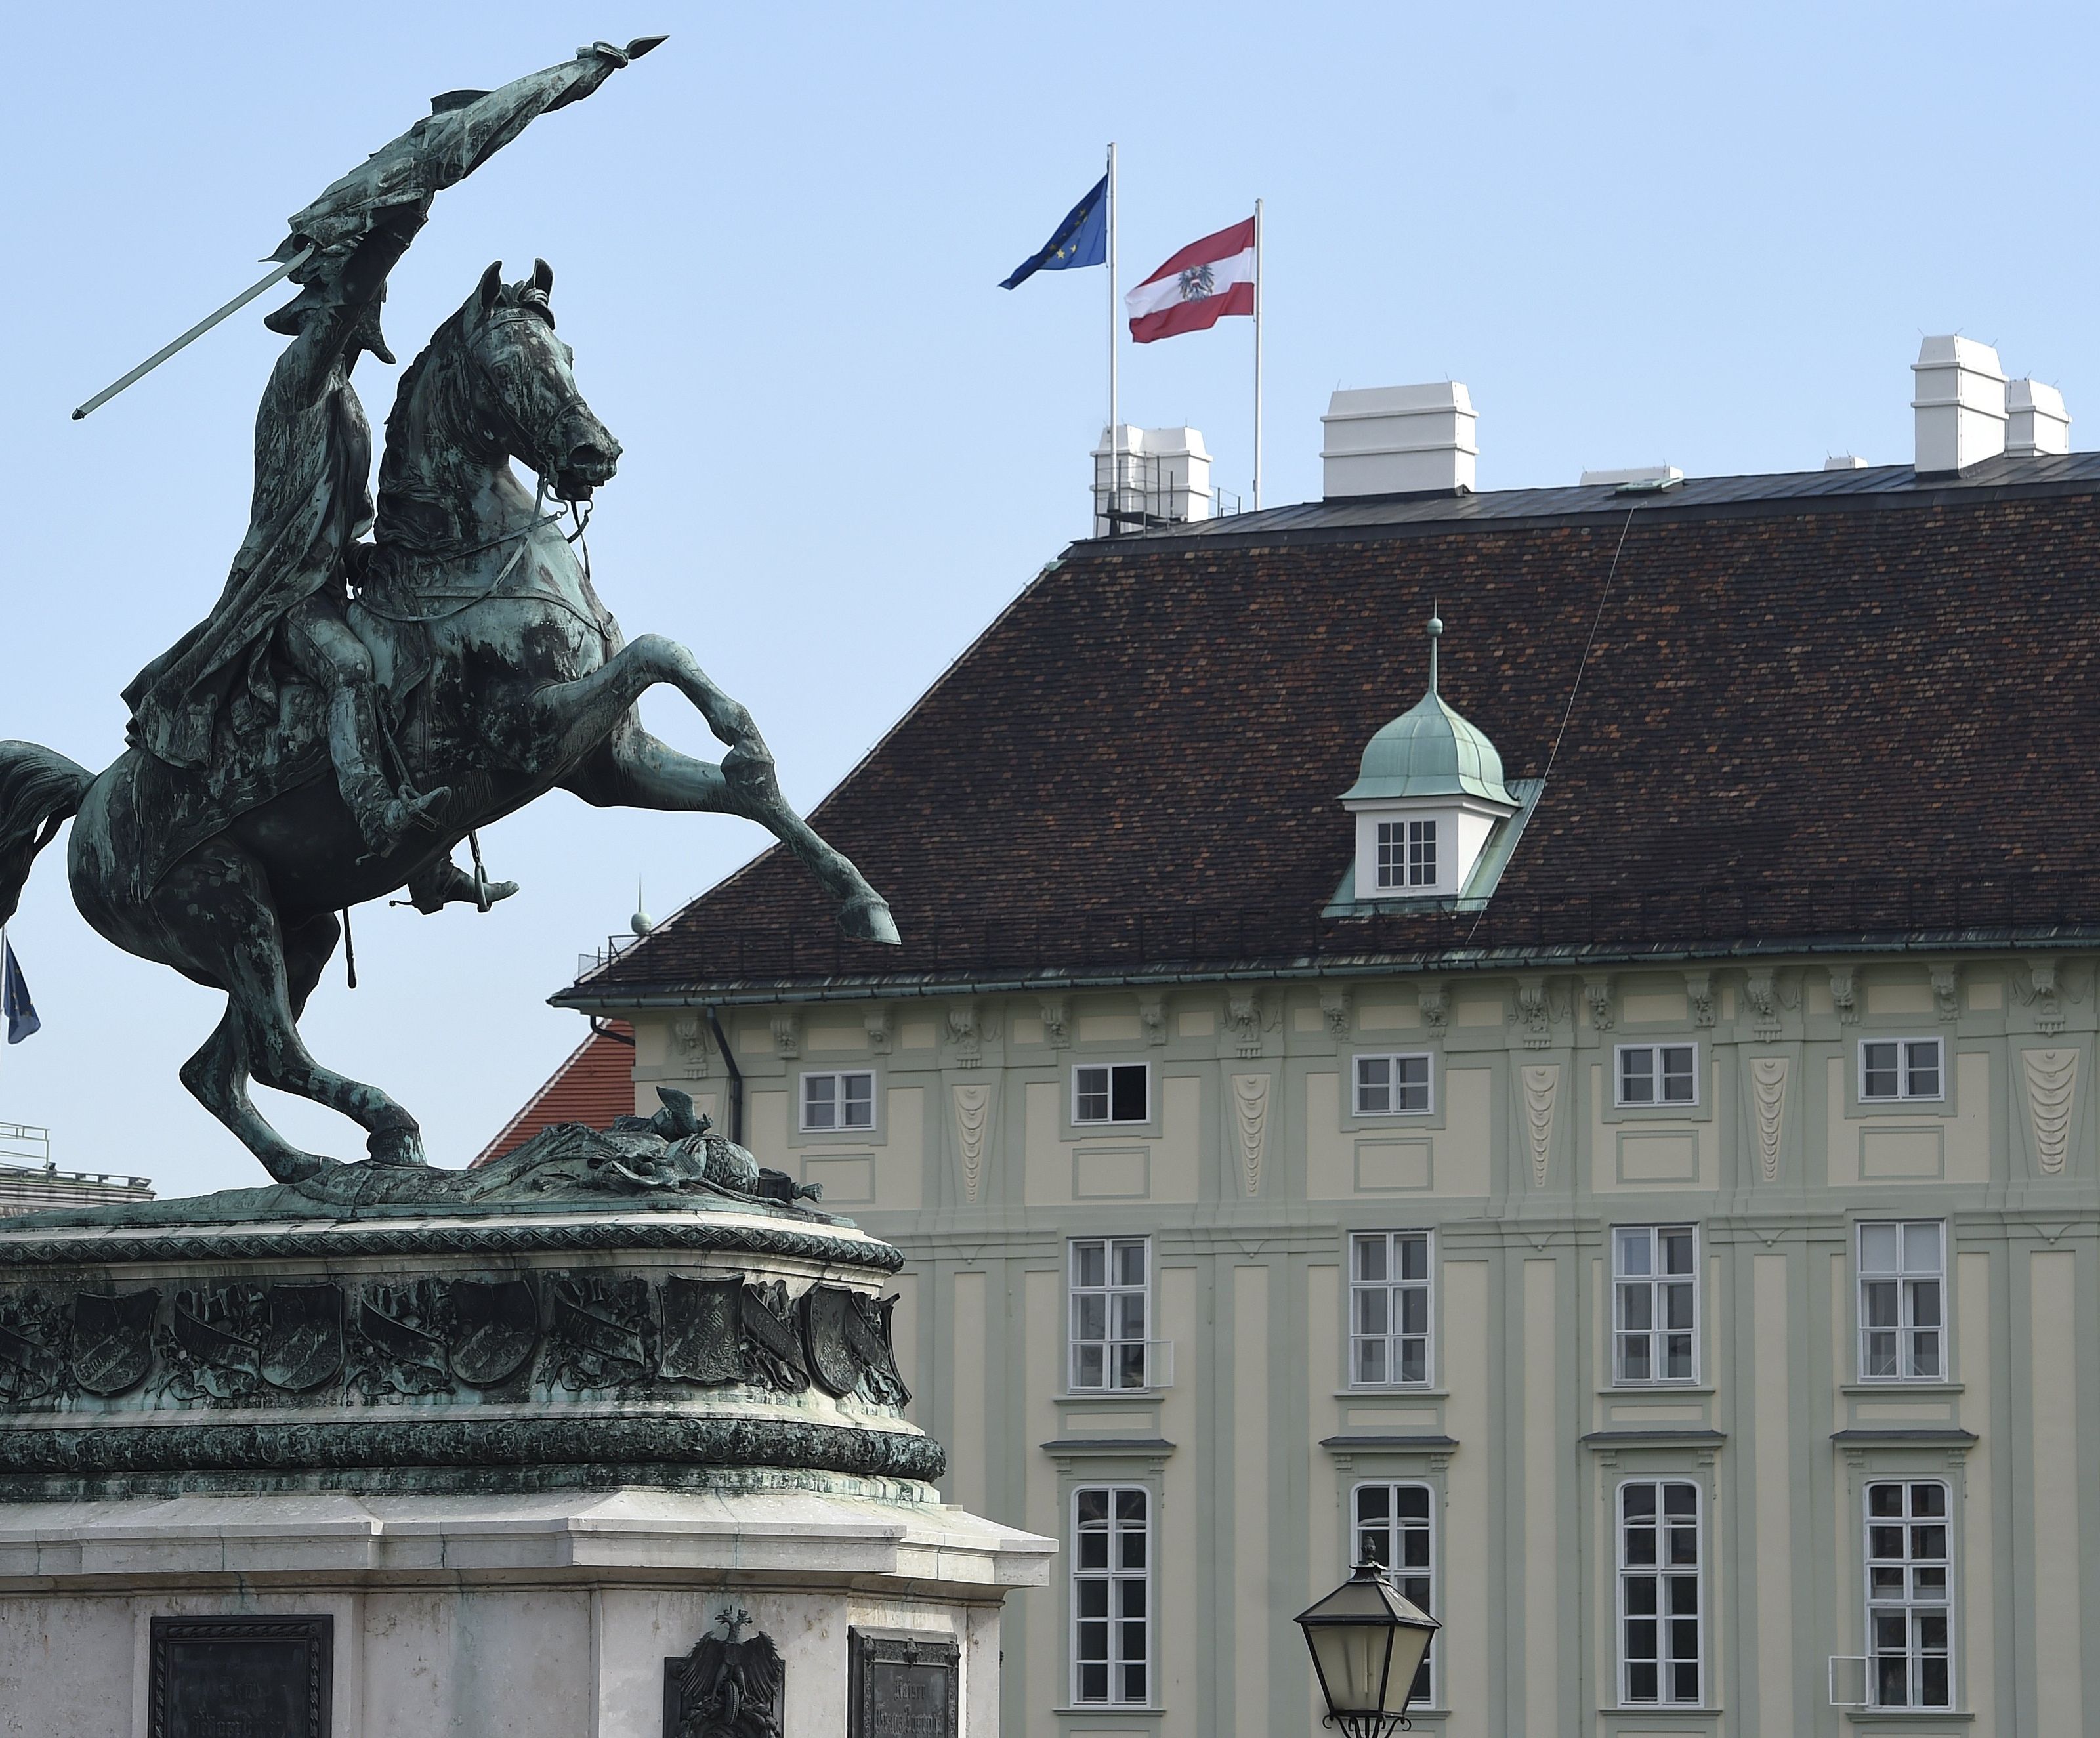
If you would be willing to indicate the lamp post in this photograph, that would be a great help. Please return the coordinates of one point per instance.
(1367, 1644)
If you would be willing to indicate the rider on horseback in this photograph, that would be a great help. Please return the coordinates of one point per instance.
(284, 599)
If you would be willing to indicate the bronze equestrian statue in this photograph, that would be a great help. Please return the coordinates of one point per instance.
(350, 711)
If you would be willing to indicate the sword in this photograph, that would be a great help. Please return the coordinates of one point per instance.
(194, 333)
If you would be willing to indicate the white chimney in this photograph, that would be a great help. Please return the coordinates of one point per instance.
(1160, 476)
(1960, 405)
(1844, 461)
(1398, 440)
(1634, 479)
(2037, 423)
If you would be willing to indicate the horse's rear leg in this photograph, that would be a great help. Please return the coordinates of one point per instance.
(216, 907)
(217, 1077)
(634, 770)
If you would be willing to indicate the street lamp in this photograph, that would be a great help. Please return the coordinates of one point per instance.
(1367, 1644)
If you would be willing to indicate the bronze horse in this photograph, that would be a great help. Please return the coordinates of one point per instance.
(507, 676)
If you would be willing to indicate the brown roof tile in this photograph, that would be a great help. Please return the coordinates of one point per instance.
(595, 1085)
(1803, 721)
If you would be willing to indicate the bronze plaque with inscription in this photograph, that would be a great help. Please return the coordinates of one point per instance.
(242, 1677)
(903, 1685)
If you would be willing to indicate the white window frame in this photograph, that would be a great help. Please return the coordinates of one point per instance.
(1655, 1050)
(1393, 1058)
(1910, 1606)
(1654, 1282)
(1110, 1342)
(1412, 845)
(1403, 1574)
(838, 1077)
(1110, 1121)
(1115, 1577)
(1394, 1286)
(1902, 1094)
(1662, 1573)
(1906, 1327)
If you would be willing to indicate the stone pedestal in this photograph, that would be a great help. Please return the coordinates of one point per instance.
(517, 1616)
(583, 1447)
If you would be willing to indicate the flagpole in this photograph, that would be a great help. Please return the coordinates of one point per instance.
(1257, 355)
(1115, 436)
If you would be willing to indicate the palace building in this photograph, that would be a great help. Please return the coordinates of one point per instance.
(1593, 1107)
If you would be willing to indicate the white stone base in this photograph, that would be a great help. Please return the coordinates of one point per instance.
(517, 1616)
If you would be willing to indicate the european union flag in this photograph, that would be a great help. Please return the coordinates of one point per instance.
(1081, 239)
(15, 1001)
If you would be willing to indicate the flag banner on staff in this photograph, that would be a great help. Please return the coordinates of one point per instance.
(1198, 287)
(1081, 239)
(15, 1002)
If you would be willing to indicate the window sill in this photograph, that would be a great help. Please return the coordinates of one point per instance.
(1110, 1396)
(1641, 1390)
(1393, 1391)
(1661, 1711)
(1880, 1716)
(1115, 1711)
(1928, 1386)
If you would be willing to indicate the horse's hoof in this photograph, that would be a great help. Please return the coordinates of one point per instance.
(298, 1167)
(867, 918)
(396, 1146)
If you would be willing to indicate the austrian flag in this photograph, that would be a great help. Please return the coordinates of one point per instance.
(1207, 281)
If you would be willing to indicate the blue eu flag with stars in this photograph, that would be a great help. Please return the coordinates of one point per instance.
(1081, 239)
(15, 1001)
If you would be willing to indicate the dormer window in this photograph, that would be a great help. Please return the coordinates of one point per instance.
(1407, 855)
(1428, 797)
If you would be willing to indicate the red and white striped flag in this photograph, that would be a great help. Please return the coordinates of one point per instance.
(1196, 288)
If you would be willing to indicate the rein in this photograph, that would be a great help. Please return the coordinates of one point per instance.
(469, 599)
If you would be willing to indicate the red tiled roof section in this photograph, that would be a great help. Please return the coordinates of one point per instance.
(1871, 701)
(595, 1085)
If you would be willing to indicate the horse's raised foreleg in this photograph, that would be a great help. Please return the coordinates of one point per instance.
(632, 770)
(621, 765)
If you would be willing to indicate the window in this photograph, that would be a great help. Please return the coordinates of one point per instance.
(1392, 1531)
(1392, 1086)
(1111, 1300)
(1654, 1303)
(1899, 1068)
(1111, 1602)
(1903, 1286)
(1659, 1628)
(1407, 853)
(1908, 1618)
(1388, 1307)
(842, 1101)
(1112, 1093)
(1658, 1073)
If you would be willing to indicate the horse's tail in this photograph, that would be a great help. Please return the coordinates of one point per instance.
(39, 792)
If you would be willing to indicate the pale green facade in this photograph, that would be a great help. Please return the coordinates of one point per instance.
(1252, 1169)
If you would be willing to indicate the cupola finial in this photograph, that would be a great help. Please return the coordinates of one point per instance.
(1435, 633)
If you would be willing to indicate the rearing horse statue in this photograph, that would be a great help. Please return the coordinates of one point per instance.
(504, 677)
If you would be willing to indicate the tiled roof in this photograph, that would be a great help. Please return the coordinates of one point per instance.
(1797, 721)
(595, 1085)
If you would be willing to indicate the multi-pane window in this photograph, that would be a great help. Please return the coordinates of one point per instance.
(1111, 1594)
(1407, 853)
(1659, 1630)
(1908, 1618)
(1393, 1530)
(1112, 1093)
(1655, 1303)
(1658, 1073)
(1902, 1296)
(839, 1101)
(1392, 1086)
(1899, 1068)
(1388, 1307)
(1110, 1296)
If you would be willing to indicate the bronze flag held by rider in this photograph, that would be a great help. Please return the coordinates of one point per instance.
(350, 710)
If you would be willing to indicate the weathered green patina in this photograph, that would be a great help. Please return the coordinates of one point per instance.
(349, 712)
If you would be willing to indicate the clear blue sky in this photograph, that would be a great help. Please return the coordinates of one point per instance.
(1707, 236)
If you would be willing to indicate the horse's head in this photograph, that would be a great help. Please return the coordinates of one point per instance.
(523, 392)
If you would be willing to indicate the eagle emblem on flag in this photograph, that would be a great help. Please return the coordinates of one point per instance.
(1197, 282)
